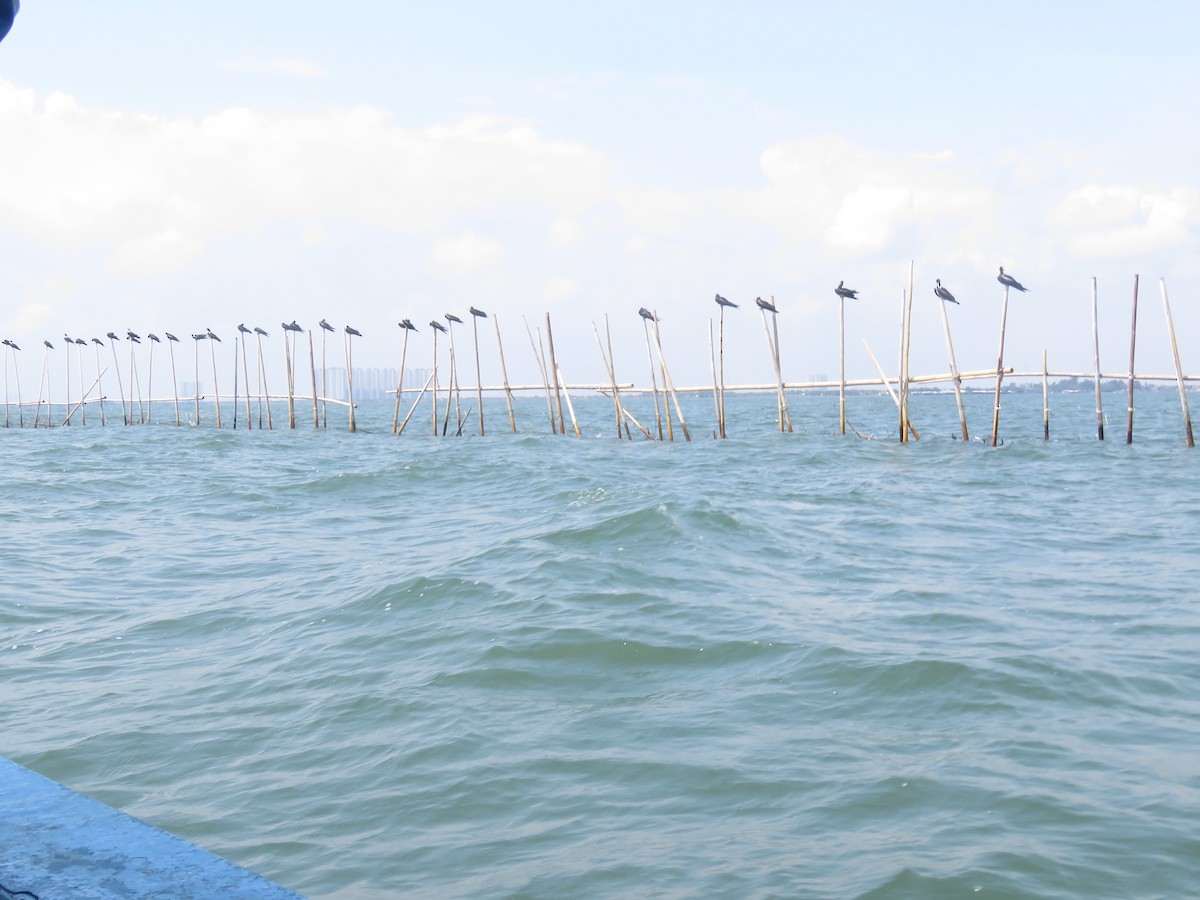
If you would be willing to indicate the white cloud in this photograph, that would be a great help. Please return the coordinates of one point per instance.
(1113, 220)
(155, 253)
(278, 66)
(467, 253)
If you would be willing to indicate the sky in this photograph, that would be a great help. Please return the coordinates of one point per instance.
(183, 166)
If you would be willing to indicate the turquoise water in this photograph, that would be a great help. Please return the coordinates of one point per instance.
(526, 665)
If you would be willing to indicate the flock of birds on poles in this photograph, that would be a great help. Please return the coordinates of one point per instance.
(138, 410)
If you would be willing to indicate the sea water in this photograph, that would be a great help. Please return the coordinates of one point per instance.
(792, 664)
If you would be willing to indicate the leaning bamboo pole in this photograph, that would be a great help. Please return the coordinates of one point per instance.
(352, 424)
(653, 377)
(912, 429)
(312, 368)
(82, 401)
(999, 371)
(121, 388)
(1045, 399)
(1096, 341)
(1132, 347)
(958, 395)
(416, 402)
(539, 356)
(557, 378)
(668, 384)
(780, 397)
(612, 380)
(1187, 416)
(264, 390)
(512, 419)
(400, 380)
(216, 390)
(570, 406)
(613, 358)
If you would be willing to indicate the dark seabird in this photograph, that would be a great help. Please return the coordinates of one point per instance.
(647, 315)
(112, 336)
(1009, 281)
(437, 325)
(49, 346)
(325, 326)
(763, 304)
(84, 343)
(845, 292)
(213, 337)
(477, 312)
(408, 325)
(353, 331)
(242, 328)
(200, 337)
(98, 341)
(7, 343)
(943, 294)
(133, 337)
(170, 337)
(259, 331)
(154, 337)
(292, 327)
(451, 317)
(721, 301)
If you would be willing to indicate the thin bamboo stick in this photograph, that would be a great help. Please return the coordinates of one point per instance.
(312, 368)
(1132, 347)
(196, 339)
(613, 358)
(436, 326)
(235, 382)
(216, 390)
(96, 345)
(780, 399)
(400, 380)
(570, 406)
(1045, 399)
(245, 371)
(958, 395)
(630, 417)
(999, 371)
(539, 355)
(417, 401)
(653, 377)
(112, 338)
(716, 390)
(1187, 416)
(476, 315)
(512, 419)
(67, 375)
(842, 365)
(557, 379)
(612, 379)
(81, 402)
(912, 429)
(721, 362)
(668, 384)
(262, 381)
(288, 354)
(1096, 341)
(352, 423)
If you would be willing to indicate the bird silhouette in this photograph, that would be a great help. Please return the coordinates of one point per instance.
(49, 346)
(721, 301)
(353, 331)
(84, 342)
(213, 337)
(112, 336)
(478, 312)
(325, 326)
(98, 341)
(243, 329)
(1009, 281)
(763, 304)
(434, 323)
(408, 325)
(136, 338)
(170, 337)
(647, 315)
(451, 317)
(259, 331)
(845, 292)
(944, 294)
(154, 337)
(292, 327)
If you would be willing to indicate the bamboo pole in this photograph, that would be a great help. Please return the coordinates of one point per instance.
(325, 381)
(780, 398)
(958, 396)
(417, 401)
(96, 345)
(512, 419)
(668, 384)
(999, 371)
(312, 368)
(842, 365)
(353, 424)
(67, 376)
(17, 378)
(216, 390)
(235, 382)
(787, 413)
(42, 387)
(613, 358)
(721, 361)
(400, 380)
(196, 338)
(82, 400)
(436, 326)
(539, 356)
(716, 391)
(570, 407)
(289, 348)
(612, 379)
(1187, 416)
(1096, 341)
(641, 427)
(476, 314)
(557, 379)
(1132, 347)
(7, 353)
(450, 386)
(1045, 399)
(245, 372)
(912, 429)
(454, 387)
(905, 344)
(112, 338)
(653, 377)
(264, 390)
(135, 384)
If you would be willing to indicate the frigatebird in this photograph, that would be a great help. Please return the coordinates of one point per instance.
(434, 323)
(721, 301)
(98, 341)
(213, 337)
(242, 328)
(477, 312)
(647, 315)
(49, 346)
(136, 338)
(112, 336)
(1009, 281)
(325, 326)
(353, 331)
(292, 327)
(943, 294)
(451, 317)
(845, 292)
(408, 325)
(260, 332)
(763, 304)
(170, 337)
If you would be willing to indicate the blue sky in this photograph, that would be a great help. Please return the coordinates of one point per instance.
(176, 166)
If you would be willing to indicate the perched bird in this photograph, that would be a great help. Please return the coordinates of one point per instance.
(49, 346)
(112, 336)
(170, 337)
(437, 325)
(242, 328)
(478, 312)
(763, 304)
(200, 337)
(213, 337)
(647, 315)
(136, 338)
(292, 327)
(353, 331)
(154, 337)
(408, 325)
(259, 331)
(1009, 281)
(68, 338)
(84, 343)
(7, 343)
(721, 301)
(845, 292)
(325, 326)
(98, 341)
(451, 317)
(943, 294)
